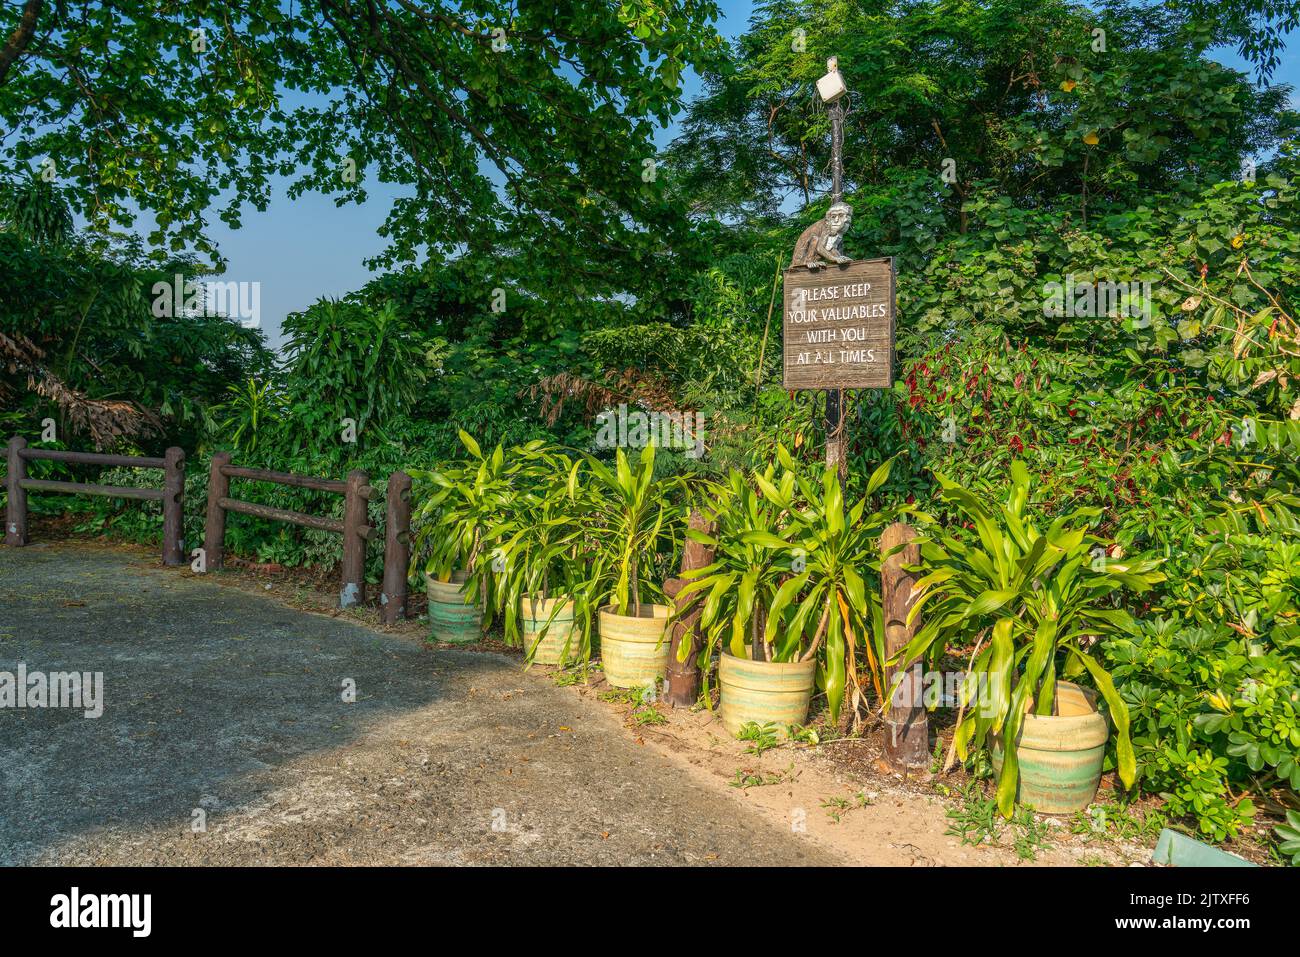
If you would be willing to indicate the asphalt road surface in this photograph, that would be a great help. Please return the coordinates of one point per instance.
(225, 738)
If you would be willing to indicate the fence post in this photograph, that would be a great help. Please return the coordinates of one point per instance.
(397, 548)
(683, 677)
(173, 507)
(16, 509)
(214, 530)
(907, 732)
(354, 543)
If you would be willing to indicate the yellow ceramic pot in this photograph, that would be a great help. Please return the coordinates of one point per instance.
(633, 649)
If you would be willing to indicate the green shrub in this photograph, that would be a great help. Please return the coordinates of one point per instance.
(1215, 716)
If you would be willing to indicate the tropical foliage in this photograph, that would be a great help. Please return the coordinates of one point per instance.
(789, 576)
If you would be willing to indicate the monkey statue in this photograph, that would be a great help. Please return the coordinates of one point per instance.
(820, 243)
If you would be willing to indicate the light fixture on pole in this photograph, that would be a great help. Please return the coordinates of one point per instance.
(831, 87)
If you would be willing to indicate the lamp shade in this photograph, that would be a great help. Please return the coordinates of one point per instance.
(831, 87)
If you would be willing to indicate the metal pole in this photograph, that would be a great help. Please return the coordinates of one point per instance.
(836, 111)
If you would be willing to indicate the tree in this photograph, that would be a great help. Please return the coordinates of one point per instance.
(1037, 99)
(500, 119)
(79, 341)
(1256, 27)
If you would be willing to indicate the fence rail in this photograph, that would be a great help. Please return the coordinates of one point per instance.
(171, 494)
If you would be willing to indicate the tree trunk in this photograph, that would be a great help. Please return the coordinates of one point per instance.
(758, 650)
(18, 40)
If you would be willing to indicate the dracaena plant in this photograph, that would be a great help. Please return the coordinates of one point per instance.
(635, 519)
(787, 576)
(540, 540)
(458, 516)
(1026, 606)
(740, 584)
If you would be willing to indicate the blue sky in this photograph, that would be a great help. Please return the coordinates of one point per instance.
(308, 248)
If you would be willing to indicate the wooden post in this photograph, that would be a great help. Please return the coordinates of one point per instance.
(354, 543)
(683, 677)
(835, 451)
(214, 532)
(16, 508)
(397, 548)
(173, 549)
(907, 732)
(836, 455)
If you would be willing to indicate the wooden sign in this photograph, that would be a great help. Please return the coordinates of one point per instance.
(839, 326)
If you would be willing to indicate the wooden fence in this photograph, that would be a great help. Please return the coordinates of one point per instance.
(397, 548)
(171, 494)
(356, 491)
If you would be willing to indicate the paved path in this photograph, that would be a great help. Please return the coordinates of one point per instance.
(225, 702)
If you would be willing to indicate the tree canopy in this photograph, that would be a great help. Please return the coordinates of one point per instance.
(500, 119)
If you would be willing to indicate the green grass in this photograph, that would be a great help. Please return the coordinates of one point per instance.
(976, 821)
(761, 738)
(1113, 820)
(746, 778)
(579, 675)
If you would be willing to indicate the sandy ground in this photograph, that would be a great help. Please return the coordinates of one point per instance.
(226, 739)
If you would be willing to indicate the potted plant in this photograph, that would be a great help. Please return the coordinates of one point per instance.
(784, 595)
(456, 523)
(541, 567)
(1030, 605)
(635, 518)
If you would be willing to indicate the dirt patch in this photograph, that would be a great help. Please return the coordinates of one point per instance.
(851, 807)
